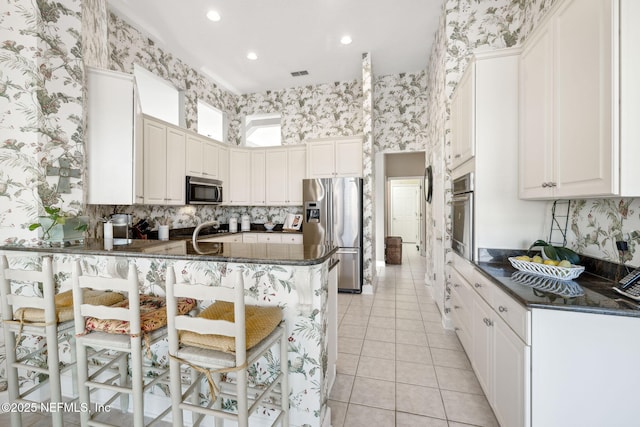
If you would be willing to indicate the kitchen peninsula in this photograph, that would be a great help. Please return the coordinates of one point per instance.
(299, 278)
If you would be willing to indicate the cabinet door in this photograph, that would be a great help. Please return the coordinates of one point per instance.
(512, 378)
(321, 159)
(296, 172)
(258, 172)
(155, 163)
(210, 159)
(223, 172)
(463, 118)
(239, 177)
(193, 161)
(348, 158)
(583, 88)
(276, 179)
(175, 167)
(536, 121)
(482, 356)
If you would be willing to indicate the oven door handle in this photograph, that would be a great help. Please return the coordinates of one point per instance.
(465, 197)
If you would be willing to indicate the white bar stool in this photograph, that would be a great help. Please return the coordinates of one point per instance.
(227, 336)
(126, 329)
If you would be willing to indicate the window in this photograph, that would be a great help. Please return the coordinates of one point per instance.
(158, 97)
(210, 121)
(262, 130)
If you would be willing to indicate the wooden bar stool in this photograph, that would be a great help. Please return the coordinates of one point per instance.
(47, 315)
(227, 336)
(126, 329)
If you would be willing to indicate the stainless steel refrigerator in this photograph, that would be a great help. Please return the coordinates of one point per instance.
(333, 215)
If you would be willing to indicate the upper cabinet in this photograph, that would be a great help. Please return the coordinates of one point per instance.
(334, 158)
(285, 172)
(202, 157)
(114, 140)
(579, 97)
(463, 118)
(239, 187)
(164, 163)
(257, 172)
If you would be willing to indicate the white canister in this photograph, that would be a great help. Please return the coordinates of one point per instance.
(246, 223)
(108, 230)
(233, 224)
(163, 232)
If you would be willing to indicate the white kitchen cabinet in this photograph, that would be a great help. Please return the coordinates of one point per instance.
(334, 158)
(164, 163)
(225, 238)
(178, 247)
(239, 177)
(501, 218)
(285, 170)
(577, 85)
(258, 173)
(223, 172)
(114, 139)
(269, 238)
(497, 340)
(249, 237)
(202, 157)
(463, 118)
(292, 239)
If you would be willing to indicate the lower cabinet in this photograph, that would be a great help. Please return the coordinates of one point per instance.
(496, 337)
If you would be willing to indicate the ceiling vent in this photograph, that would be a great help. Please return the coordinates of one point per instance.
(300, 73)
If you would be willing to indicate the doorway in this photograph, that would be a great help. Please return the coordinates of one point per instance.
(405, 209)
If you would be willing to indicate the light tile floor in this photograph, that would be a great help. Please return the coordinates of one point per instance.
(397, 365)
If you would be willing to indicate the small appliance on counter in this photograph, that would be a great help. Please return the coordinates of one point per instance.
(233, 224)
(122, 226)
(246, 223)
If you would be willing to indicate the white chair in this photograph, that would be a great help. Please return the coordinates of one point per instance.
(126, 329)
(227, 336)
(35, 316)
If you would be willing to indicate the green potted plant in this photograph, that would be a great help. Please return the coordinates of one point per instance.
(58, 227)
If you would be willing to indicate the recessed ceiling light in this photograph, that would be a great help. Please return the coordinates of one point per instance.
(346, 40)
(252, 56)
(213, 15)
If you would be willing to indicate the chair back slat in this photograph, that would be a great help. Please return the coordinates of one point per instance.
(205, 326)
(12, 301)
(204, 292)
(128, 285)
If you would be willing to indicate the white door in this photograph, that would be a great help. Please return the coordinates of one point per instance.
(405, 210)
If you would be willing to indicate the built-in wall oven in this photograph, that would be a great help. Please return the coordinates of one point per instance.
(462, 214)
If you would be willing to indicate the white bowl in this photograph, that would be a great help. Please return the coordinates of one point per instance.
(269, 225)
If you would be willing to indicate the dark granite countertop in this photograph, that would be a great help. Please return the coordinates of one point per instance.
(587, 293)
(254, 253)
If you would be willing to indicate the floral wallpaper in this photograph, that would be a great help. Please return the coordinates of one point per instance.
(368, 185)
(301, 292)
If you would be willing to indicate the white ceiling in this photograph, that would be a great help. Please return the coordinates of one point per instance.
(288, 35)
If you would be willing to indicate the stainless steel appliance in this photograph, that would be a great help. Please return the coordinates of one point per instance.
(203, 191)
(333, 216)
(122, 224)
(462, 210)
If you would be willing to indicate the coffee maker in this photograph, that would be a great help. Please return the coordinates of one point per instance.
(122, 226)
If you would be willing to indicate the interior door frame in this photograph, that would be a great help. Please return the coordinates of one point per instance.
(421, 205)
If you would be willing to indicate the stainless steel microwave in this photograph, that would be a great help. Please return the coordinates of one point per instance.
(203, 191)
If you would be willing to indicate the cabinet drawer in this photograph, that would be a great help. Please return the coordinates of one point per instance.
(172, 248)
(464, 267)
(484, 287)
(269, 238)
(292, 239)
(515, 315)
(249, 238)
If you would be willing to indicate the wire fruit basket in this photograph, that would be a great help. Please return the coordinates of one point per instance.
(562, 273)
(563, 288)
